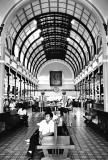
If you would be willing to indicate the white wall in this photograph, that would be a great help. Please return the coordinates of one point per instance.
(67, 80)
(67, 75)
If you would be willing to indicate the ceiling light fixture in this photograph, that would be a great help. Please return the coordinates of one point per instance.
(37, 33)
(16, 50)
(73, 21)
(34, 22)
(68, 39)
(40, 39)
(33, 25)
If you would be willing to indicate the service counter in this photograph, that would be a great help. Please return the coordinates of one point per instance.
(9, 121)
(99, 119)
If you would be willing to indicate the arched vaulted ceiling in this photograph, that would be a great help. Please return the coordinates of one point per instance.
(66, 31)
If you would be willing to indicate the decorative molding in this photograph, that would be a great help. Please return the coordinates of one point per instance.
(51, 90)
(56, 89)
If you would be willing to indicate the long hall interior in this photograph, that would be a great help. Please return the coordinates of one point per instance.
(53, 58)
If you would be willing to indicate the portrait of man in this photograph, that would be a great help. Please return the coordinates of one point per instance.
(55, 78)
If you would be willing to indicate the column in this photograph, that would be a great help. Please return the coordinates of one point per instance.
(20, 93)
(93, 86)
(30, 89)
(101, 82)
(105, 68)
(8, 89)
(83, 89)
(105, 81)
(24, 88)
(85, 86)
(42, 106)
(64, 97)
(27, 88)
(89, 86)
(15, 86)
(2, 71)
(80, 88)
(34, 89)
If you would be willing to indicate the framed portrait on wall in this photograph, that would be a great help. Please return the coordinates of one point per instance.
(55, 78)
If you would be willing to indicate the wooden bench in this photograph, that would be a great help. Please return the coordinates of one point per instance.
(56, 143)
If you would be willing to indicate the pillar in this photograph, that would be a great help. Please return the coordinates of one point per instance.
(101, 76)
(94, 86)
(42, 104)
(34, 89)
(105, 67)
(2, 71)
(20, 93)
(89, 86)
(85, 88)
(15, 86)
(27, 89)
(105, 81)
(24, 88)
(30, 89)
(64, 97)
(8, 89)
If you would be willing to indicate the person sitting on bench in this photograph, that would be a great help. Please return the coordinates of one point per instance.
(46, 128)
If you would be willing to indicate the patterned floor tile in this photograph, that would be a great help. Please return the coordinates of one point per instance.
(88, 144)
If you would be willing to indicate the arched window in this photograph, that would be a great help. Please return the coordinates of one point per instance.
(98, 43)
(22, 57)
(16, 51)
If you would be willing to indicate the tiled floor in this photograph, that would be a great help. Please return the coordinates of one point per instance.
(88, 144)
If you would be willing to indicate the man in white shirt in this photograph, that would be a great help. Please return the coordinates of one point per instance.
(23, 116)
(22, 112)
(46, 128)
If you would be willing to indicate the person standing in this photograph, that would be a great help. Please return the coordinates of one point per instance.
(23, 116)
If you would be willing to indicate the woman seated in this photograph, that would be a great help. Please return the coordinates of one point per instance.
(46, 128)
